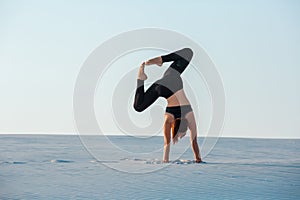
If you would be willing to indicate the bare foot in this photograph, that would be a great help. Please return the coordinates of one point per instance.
(155, 61)
(198, 160)
(141, 73)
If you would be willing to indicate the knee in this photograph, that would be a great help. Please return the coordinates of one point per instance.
(138, 108)
(188, 54)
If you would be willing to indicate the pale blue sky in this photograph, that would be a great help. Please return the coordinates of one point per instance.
(254, 44)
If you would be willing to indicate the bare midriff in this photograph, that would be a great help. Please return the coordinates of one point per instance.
(178, 99)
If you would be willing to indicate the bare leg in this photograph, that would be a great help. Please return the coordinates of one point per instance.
(155, 61)
(167, 136)
(193, 128)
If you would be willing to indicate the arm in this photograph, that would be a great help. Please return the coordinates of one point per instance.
(193, 129)
(167, 136)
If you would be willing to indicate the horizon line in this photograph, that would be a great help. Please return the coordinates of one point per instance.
(138, 136)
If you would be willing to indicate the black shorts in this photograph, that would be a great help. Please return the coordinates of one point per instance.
(179, 111)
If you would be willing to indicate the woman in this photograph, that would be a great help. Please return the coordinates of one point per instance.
(179, 114)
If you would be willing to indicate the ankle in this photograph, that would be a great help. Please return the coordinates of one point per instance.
(155, 61)
(141, 74)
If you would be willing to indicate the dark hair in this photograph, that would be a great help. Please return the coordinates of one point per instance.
(179, 125)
